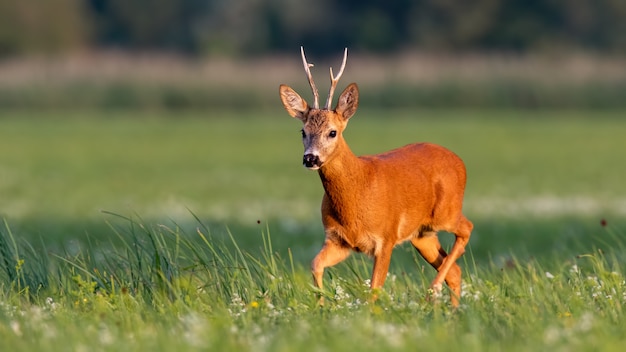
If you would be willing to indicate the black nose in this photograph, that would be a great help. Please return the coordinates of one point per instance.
(310, 160)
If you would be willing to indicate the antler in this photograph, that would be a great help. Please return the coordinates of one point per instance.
(307, 66)
(334, 80)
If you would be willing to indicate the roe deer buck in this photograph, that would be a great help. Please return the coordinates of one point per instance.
(372, 203)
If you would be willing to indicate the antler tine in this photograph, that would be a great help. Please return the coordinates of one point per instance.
(307, 69)
(334, 80)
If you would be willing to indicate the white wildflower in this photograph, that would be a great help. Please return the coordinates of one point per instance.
(51, 305)
(586, 322)
(236, 300)
(237, 305)
(17, 329)
(549, 275)
(105, 336)
(468, 291)
(195, 327)
(552, 335)
(393, 334)
(340, 294)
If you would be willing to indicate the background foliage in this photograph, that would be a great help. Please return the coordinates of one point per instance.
(249, 27)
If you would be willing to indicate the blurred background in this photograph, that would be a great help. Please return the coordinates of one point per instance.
(184, 53)
(254, 27)
(166, 107)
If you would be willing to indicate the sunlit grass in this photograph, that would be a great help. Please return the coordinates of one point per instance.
(165, 289)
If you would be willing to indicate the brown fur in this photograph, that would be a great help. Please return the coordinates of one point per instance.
(372, 203)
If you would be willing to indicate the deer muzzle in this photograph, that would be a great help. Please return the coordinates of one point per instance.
(311, 161)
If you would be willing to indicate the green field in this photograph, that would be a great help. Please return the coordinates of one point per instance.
(193, 231)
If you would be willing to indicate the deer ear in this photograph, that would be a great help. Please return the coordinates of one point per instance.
(293, 103)
(348, 101)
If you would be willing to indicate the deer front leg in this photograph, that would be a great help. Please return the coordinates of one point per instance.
(381, 268)
(330, 254)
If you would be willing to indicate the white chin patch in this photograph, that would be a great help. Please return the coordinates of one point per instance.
(314, 167)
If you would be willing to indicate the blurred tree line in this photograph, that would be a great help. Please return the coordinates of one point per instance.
(249, 27)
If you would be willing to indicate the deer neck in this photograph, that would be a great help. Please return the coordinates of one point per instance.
(343, 175)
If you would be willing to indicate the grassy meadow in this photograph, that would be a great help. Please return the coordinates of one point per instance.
(193, 230)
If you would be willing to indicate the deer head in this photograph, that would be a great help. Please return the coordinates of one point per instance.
(322, 128)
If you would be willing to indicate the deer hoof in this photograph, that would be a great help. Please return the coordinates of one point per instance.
(434, 292)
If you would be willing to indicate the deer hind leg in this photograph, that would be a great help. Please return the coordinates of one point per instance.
(462, 233)
(428, 246)
(331, 253)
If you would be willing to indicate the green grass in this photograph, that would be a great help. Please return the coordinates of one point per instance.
(186, 264)
(165, 289)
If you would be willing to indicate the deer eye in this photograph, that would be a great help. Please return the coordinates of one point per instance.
(303, 133)
(332, 134)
